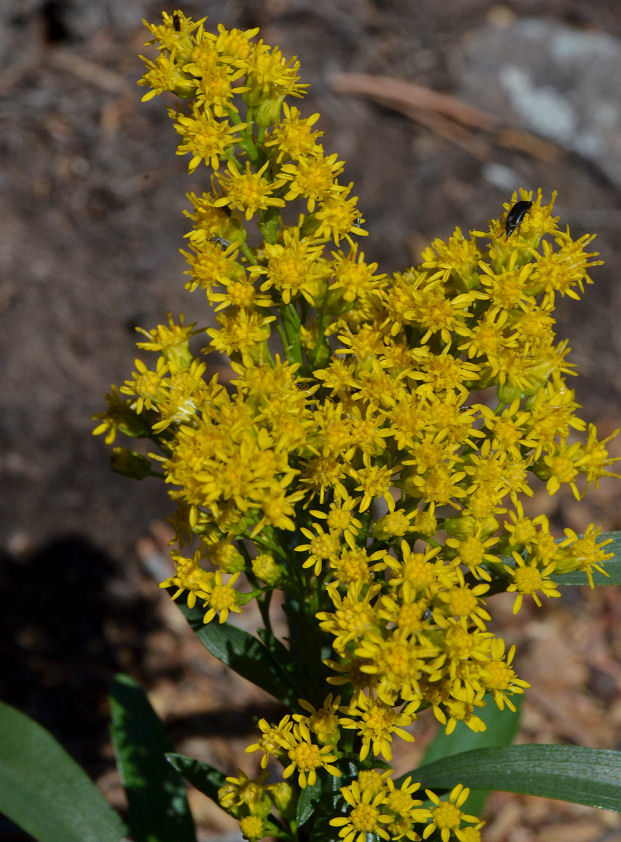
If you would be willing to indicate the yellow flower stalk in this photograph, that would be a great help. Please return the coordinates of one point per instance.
(372, 451)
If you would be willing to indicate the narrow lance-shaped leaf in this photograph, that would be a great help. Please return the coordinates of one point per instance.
(576, 774)
(307, 802)
(612, 566)
(44, 791)
(207, 779)
(243, 653)
(327, 808)
(502, 726)
(279, 653)
(158, 807)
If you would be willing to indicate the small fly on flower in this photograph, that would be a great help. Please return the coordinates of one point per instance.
(224, 244)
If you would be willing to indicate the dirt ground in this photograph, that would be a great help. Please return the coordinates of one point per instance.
(91, 222)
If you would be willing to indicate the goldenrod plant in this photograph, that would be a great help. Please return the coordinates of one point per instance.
(369, 459)
(371, 454)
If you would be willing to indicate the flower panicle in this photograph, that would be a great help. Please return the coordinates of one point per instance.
(371, 444)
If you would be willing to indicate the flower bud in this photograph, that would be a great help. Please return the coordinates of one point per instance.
(488, 526)
(265, 568)
(460, 527)
(541, 470)
(129, 463)
(225, 557)
(260, 805)
(252, 828)
(426, 523)
(268, 112)
(227, 798)
(282, 796)
(393, 525)
(507, 393)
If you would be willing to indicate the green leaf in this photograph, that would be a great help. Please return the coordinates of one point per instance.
(158, 806)
(243, 653)
(612, 567)
(307, 800)
(44, 791)
(207, 779)
(589, 776)
(502, 726)
(276, 648)
(281, 655)
(501, 578)
(329, 807)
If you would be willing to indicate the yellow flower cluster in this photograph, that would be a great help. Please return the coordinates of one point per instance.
(371, 452)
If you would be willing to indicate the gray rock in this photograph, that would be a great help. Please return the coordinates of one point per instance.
(558, 82)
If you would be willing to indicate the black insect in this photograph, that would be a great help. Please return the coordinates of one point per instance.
(224, 244)
(516, 215)
(176, 22)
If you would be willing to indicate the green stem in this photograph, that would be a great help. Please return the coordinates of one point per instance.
(268, 224)
(264, 608)
(270, 545)
(248, 253)
(291, 326)
(322, 324)
(246, 138)
(283, 336)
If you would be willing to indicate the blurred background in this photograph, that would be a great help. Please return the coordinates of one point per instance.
(441, 110)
